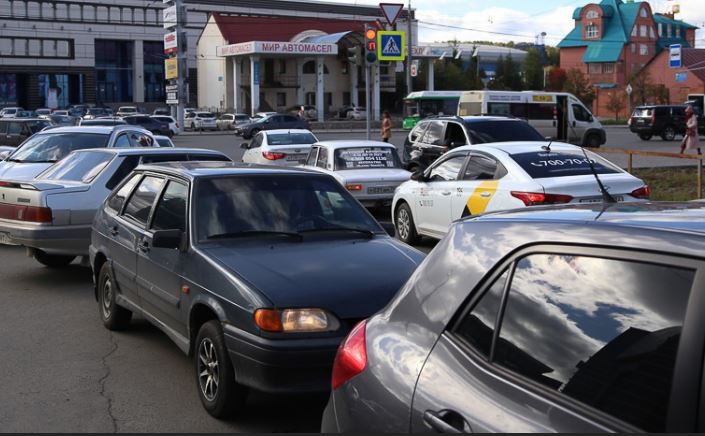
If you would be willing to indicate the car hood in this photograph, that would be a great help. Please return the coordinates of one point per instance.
(382, 174)
(20, 170)
(352, 278)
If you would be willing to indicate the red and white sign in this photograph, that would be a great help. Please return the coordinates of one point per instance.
(277, 47)
(171, 43)
(391, 11)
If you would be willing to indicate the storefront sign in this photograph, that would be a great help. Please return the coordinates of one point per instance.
(169, 17)
(171, 68)
(171, 43)
(277, 47)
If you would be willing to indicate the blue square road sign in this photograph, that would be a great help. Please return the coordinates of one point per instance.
(391, 45)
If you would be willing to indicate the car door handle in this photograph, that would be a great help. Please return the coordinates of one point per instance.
(114, 231)
(446, 421)
(446, 193)
(143, 246)
(485, 194)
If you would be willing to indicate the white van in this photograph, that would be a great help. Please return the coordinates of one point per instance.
(558, 115)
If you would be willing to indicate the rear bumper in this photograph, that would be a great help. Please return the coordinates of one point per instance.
(281, 366)
(68, 240)
(642, 129)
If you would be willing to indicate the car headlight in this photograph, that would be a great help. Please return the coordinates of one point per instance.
(308, 320)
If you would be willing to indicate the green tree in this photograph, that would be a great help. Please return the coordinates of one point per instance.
(512, 75)
(533, 70)
(642, 87)
(616, 102)
(577, 84)
(497, 81)
(553, 56)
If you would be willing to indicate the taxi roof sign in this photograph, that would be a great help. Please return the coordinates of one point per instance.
(391, 45)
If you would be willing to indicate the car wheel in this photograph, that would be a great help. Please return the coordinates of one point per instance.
(220, 395)
(404, 225)
(114, 317)
(669, 134)
(52, 260)
(193, 126)
(645, 136)
(593, 141)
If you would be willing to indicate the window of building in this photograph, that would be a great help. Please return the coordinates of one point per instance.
(643, 31)
(75, 12)
(591, 15)
(634, 31)
(608, 68)
(594, 68)
(643, 49)
(328, 99)
(310, 68)
(154, 81)
(591, 32)
(678, 31)
(633, 48)
(346, 98)
(660, 29)
(281, 99)
(669, 31)
(282, 66)
(643, 13)
(652, 34)
(114, 70)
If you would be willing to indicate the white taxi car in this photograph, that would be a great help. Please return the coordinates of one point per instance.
(475, 179)
(370, 170)
(281, 147)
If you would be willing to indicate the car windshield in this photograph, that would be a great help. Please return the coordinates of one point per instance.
(128, 109)
(543, 164)
(359, 158)
(290, 138)
(78, 167)
(51, 147)
(36, 126)
(230, 207)
(502, 131)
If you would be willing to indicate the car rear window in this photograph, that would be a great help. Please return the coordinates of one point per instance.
(52, 147)
(366, 158)
(290, 138)
(502, 131)
(78, 167)
(205, 115)
(642, 112)
(543, 164)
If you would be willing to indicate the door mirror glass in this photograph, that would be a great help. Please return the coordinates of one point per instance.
(419, 176)
(245, 145)
(170, 239)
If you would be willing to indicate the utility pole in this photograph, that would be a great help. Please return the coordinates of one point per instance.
(182, 62)
(176, 64)
(409, 84)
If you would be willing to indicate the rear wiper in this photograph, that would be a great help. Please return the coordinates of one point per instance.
(249, 233)
(369, 233)
(606, 196)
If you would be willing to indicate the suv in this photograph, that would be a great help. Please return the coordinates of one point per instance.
(663, 121)
(155, 126)
(14, 131)
(434, 136)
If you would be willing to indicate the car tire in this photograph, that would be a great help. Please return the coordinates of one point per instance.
(668, 134)
(593, 141)
(404, 225)
(52, 260)
(645, 136)
(193, 126)
(220, 394)
(114, 317)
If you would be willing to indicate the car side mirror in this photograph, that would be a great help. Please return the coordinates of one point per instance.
(389, 228)
(4, 155)
(245, 145)
(419, 176)
(171, 239)
(591, 118)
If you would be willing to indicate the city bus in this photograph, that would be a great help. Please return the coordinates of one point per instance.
(421, 104)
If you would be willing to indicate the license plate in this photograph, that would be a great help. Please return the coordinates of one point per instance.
(640, 121)
(5, 239)
(618, 198)
(296, 157)
(380, 190)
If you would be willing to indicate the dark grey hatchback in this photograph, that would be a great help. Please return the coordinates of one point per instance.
(258, 271)
(572, 319)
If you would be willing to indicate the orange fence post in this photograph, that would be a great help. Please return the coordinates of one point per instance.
(700, 178)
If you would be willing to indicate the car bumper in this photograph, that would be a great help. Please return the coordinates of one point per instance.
(641, 129)
(329, 421)
(67, 240)
(281, 365)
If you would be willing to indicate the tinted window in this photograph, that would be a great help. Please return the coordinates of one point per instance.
(365, 158)
(289, 118)
(448, 169)
(580, 113)
(256, 141)
(562, 163)
(602, 331)
(78, 167)
(14, 129)
(502, 131)
(170, 213)
(542, 111)
(142, 199)
(209, 157)
(164, 142)
(115, 202)
(51, 147)
(36, 126)
(290, 138)
(434, 133)
(128, 164)
(480, 168)
(122, 141)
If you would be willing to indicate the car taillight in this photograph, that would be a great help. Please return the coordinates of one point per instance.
(630, 121)
(25, 213)
(354, 187)
(644, 192)
(273, 156)
(537, 198)
(351, 358)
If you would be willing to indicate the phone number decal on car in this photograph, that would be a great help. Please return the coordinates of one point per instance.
(562, 162)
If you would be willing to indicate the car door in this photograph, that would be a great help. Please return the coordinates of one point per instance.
(435, 196)
(14, 135)
(253, 154)
(3, 132)
(158, 269)
(478, 189)
(580, 120)
(569, 339)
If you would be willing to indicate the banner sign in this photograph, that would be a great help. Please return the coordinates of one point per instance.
(277, 47)
(171, 68)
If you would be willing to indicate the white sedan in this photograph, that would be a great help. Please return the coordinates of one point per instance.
(281, 147)
(475, 179)
(369, 170)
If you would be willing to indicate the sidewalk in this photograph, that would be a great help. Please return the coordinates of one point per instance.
(313, 129)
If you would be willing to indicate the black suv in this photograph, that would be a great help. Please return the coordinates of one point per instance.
(666, 121)
(149, 123)
(13, 131)
(434, 136)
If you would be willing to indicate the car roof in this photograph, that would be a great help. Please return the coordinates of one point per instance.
(284, 131)
(518, 147)
(105, 130)
(353, 143)
(473, 118)
(140, 151)
(194, 170)
(15, 120)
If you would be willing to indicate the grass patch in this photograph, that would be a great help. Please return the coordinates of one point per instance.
(670, 184)
(613, 122)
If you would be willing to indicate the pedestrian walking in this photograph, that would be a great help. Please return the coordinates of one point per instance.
(386, 126)
(690, 140)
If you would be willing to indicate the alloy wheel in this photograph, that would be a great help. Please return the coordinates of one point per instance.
(208, 371)
(403, 224)
(107, 303)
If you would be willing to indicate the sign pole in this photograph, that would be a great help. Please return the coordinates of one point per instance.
(367, 101)
(183, 64)
(409, 83)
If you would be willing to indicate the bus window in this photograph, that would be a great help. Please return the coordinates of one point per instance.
(541, 111)
(498, 109)
(467, 109)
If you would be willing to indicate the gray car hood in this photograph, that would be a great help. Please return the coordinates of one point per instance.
(352, 278)
(20, 170)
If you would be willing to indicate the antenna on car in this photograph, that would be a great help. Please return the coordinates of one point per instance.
(547, 147)
(606, 196)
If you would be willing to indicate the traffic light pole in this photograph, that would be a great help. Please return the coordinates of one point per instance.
(368, 127)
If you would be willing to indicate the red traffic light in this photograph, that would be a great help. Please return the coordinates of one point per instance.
(371, 34)
(372, 46)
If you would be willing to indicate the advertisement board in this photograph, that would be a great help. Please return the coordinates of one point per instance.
(171, 68)
(171, 43)
(169, 17)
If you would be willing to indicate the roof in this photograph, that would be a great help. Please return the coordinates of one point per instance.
(282, 131)
(193, 170)
(694, 58)
(518, 147)
(141, 151)
(286, 6)
(326, 39)
(353, 143)
(104, 130)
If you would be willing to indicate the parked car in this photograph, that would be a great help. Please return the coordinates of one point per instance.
(260, 115)
(43, 113)
(52, 214)
(309, 112)
(162, 111)
(472, 180)
(236, 264)
(201, 121)
(666, 121)
(103, 121)
(271, 122)
(170, 121)
(146, 122)
(432, 137)
(369, 170)
(163, 141)
(95, 112)
(49, 146)
(14, 131)
(25, 114)
(342, 112)
(63, 118)
(124, 111)
(188, 110)
(229, 121)
(570, 319)
(357, 113)
(279, 147)
(79, 110)
(10, 112)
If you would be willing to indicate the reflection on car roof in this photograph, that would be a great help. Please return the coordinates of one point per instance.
(201, 169)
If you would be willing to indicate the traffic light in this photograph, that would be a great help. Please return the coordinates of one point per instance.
(355, 55)
(370, 45)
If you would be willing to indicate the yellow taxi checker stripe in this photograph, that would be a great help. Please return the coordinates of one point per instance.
(481, 196)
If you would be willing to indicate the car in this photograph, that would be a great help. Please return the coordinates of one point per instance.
(256, 271)
(163, 141)
(357, 113)
(271, 122)
(370, 170)
(124, 111)
(51, 214)
(162, 111)
(170, 121)
(188, 110)
(103, 121)
(14, 131)
(229, 121)
(79, 110)
(201, 121)
(10, 112)
(43, 113)
(49, 146)
(432, 137)
(475, 179)
(279, 147)
(149, 123)
(95, 112)
(309, 112)
(260, 115)
(666, 121)
(25, 114)
(63, 118)
(342, 112)
(568, 319)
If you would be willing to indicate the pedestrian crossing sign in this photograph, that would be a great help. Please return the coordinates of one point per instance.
(391, 45)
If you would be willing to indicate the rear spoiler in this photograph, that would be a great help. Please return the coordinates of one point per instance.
(32, 185)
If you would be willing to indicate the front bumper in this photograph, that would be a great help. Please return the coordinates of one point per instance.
(281, 365)
(64, 240)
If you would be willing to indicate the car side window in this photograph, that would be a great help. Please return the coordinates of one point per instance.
(256, 141)
(141, 140)
(454, 135)
(322, 161)
(601, 331)
(434, 133)
(14, 129)
(580, 113)
(140, 204)
(418, 131)
(128, 164)
(3, 128)
(122, 141)
(481, 167)
(118, 199)
(170, 213)
(447, 169)
(312, 156)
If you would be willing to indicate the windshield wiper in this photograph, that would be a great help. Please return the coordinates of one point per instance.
(369, 233)
(13, 160)
(249, 233)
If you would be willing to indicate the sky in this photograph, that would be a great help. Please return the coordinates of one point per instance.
(522, 20)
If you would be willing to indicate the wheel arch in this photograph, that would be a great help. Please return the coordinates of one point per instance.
(98, 262)
(200, 313)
